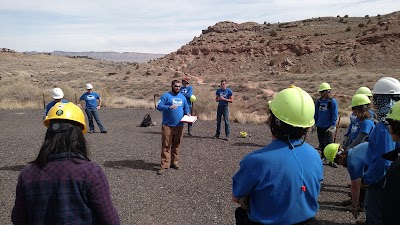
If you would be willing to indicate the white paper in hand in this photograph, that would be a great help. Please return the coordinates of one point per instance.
(188, 119)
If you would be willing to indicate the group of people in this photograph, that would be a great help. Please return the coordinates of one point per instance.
(369, 149)
(286, 174)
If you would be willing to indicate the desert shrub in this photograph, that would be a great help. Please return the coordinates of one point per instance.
(361, 25)
(346, 16)
(341, 20)
(317, 34)
(369, 21)
(348, 29)
(128, 72)
(366, 16)
(374, 29)
(274, 33)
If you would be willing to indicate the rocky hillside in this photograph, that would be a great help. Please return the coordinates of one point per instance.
(256, 59)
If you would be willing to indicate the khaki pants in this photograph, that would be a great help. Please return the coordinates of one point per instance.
(171, 140)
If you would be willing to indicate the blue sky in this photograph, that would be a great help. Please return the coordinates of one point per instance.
(153, 26)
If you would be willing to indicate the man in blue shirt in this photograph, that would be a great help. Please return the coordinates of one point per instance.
(224, 96)
(187, 91)
(58, 95)
(326, 114)
(173, 106)
(280, 183)
(91, 102)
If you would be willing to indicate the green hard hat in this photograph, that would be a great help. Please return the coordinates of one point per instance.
(331, 150)
(394, 112)
(364, 90)
(294, 107)
(324, 86)
(359, 99)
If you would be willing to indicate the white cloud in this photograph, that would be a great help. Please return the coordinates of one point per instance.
(156, 26)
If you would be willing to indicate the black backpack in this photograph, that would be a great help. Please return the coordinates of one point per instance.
(329, 106)
(146, 121)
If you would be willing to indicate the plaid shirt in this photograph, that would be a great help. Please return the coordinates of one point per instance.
(66, 191)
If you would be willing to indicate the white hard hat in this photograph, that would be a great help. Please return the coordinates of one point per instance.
(89, 86)
(57, 93)
(387, 86)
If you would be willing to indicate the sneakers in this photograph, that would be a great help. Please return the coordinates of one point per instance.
(91, 131)
(228, 138)
(216, 136)
(333, 164)
(161, 171)
(174, 166)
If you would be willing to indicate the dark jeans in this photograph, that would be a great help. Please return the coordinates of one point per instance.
(94, 113)
(223, 110)
(324, 138)
(373, 203)
(243, 219)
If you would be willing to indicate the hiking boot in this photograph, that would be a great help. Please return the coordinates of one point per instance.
(189, 134)
(161, 171)
(216, 136)
(103, 131)
(91, 131)
(228, 138)
(175, 166)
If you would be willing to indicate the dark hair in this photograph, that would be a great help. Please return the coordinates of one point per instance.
(174, 82)
(362, 112)
(284, 131)
(222, 81)
(395, 125)
(71, 140)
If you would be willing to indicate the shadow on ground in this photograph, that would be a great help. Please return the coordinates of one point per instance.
(13, 168)
(132, 164)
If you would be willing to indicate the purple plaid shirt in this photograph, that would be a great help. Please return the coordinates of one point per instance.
(65, 191)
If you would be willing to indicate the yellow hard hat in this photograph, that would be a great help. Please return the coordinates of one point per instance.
(324, 86)
(192, 98)
(394, 112)
(294, 107)
(364, 90)
(359, 99)
(243, 134)
(331, 150)
(66, 111)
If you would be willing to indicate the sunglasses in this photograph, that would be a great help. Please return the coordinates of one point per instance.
(329, 91)
(223, 84)
(177, 86)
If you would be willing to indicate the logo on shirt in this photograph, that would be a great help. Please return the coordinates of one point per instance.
(223, 94)
(90, 97)
(177, 101)
(184, 90)
(323, 106)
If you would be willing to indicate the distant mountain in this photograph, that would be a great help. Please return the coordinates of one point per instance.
(109, 56)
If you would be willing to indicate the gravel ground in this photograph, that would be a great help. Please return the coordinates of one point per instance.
(199, 193)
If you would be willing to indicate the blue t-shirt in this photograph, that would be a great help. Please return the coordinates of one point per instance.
(356, 160)
(51, 104)
(90, 99)
(227, 93)
(354, 120)
(325, 117)
(273, 178)
(187, 92)
(172, 117)
(379, 143)
(366, 126)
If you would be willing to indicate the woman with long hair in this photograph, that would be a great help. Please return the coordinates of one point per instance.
(62, 185)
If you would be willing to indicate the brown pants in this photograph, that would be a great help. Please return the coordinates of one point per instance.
(171, 140)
